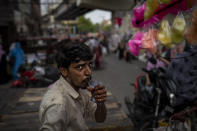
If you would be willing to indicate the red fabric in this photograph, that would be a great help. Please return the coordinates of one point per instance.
(136, 82)
(17, 83)
(119, 21)
(29, 74)
(98, 57)
(32, 79)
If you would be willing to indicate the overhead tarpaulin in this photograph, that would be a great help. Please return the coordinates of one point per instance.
(112, 5)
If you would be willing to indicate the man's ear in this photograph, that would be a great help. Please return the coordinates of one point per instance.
(64, 72)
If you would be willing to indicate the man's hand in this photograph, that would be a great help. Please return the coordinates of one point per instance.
(100, 94)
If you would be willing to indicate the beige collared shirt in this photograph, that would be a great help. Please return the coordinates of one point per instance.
(64, 109)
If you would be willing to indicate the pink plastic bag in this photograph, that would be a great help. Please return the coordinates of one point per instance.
(138, 11)
(136, 43)
(138, 17)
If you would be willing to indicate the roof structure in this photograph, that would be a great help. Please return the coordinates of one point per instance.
(71, 10)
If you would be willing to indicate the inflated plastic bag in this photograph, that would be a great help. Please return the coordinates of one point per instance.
(138, 12)
(136, 43)
(149, 41)
(178, 28)
(151, 7)
(176, 38)
(164, 35)
(138, 17)
(179, 24)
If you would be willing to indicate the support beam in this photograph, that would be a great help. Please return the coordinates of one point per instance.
(72, 12)
(107, 4)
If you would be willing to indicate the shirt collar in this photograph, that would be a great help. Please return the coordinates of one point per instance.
(69, 89)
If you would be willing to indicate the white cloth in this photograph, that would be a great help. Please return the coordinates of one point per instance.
(115, 40)
(12, 46)
(64, 109)
(93, 44)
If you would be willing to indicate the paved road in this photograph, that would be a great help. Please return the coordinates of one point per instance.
(117, 75)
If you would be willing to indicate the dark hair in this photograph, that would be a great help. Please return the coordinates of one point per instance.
(71, 52)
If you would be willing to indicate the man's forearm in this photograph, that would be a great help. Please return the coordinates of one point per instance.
(166, 62)
(101, 112)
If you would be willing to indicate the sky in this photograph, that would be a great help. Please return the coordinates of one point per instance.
(97, 16)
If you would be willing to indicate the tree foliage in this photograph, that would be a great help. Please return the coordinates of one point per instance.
(85, 25)
(107, 28)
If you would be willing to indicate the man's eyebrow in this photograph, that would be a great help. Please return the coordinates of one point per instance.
(80, 64)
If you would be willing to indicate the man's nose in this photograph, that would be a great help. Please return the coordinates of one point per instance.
(88, 71)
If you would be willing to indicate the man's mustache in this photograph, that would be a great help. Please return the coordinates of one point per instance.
(88, 79)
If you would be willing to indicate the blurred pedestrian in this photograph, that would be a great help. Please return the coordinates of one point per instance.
(98, 60)
(121, 49)
(17, 54)
(105, 44)
(93, 44)
(114, 42)
(96, 48)
(67, 103)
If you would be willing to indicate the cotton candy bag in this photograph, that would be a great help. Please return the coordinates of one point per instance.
(178, 28)
(164, 35)
(149, 41)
